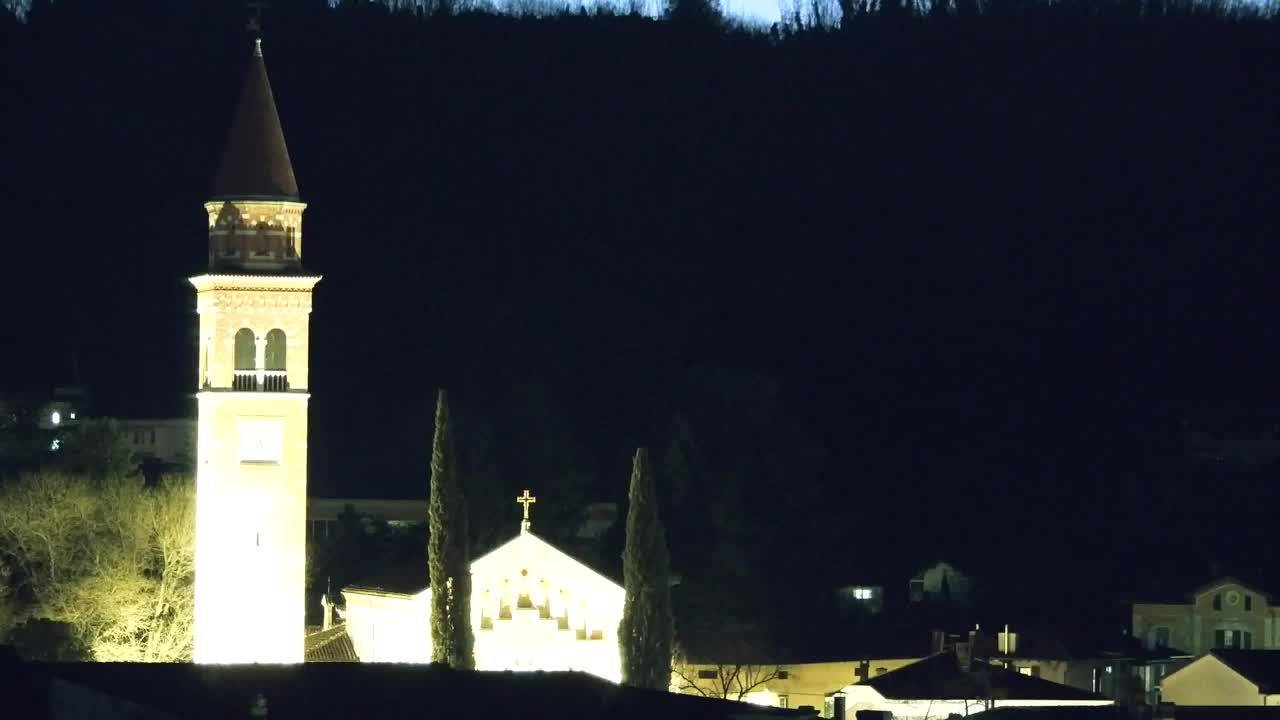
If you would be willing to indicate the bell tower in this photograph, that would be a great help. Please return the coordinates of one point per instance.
(254, 305)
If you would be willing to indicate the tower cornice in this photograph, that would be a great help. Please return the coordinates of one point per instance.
(272, 283)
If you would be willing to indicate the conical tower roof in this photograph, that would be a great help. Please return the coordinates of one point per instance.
(255, 162)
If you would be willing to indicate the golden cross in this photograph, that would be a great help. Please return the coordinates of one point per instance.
(526, 500)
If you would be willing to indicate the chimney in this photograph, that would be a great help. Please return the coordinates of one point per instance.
(326, 608)
(964, 655)
(1008, 641)
(937, 641)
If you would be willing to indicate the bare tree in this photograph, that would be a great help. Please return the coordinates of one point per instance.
(727, 681)
(113, 560)
(729, 661)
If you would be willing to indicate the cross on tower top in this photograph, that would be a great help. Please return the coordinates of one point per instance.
(526, 500)
(255, 20)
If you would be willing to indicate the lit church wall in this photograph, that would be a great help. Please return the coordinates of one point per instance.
(532, 608)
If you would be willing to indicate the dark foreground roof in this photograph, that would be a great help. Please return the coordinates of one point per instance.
(939, 676)
(356, 690)
(1260, 667)
(1065, 712)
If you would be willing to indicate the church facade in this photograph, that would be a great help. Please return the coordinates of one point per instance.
(533, 607)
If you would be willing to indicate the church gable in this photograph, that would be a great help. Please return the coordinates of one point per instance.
(533, 607)
(529, 553)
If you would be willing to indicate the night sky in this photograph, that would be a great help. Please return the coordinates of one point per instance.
(994, 268)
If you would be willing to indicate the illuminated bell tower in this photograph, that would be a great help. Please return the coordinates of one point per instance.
(251, 477)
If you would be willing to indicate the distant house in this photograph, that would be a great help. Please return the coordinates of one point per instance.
(951, 682)
(1226, 677)
(862, 597)
(1117, 667)
(169, 442)
(1223, 614)
(323, 514)
(941, 583)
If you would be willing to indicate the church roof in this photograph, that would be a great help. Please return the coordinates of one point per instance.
(255, 161)
(332, 645)
(414, 577)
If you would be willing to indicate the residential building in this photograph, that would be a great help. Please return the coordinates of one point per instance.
(1226, 613)
(788, 685)
(1226, 677)
(323, 514)
(942, 583)
(167, 441)
(952, 683)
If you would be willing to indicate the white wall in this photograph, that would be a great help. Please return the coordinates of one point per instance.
(1208, 681)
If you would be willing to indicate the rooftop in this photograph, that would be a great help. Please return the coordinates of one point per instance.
(940, 676)
(351, 690)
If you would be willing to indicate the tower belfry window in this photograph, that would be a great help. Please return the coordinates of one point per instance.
(246, 360)
(276, 344)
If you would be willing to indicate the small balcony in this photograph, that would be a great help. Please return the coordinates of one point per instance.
(261, 381)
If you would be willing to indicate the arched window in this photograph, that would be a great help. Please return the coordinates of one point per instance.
(275, 357)
(246, 350)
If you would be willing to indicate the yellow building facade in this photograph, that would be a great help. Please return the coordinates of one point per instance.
(790, 685)
(1223, 614)
(254, 305)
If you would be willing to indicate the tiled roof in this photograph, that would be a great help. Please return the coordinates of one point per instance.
(940, 677)
(1260, 667)
(332, 645)
(255, 162)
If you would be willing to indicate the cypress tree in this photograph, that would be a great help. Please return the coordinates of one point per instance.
(645, 634)
(452, 641)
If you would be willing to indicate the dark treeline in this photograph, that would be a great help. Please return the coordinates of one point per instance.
(926, 285)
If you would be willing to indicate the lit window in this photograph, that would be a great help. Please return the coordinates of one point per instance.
(56, 417)
(72, 415)
(1161, 638)
(1025, 670)
(53, 446)
(862, 593)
